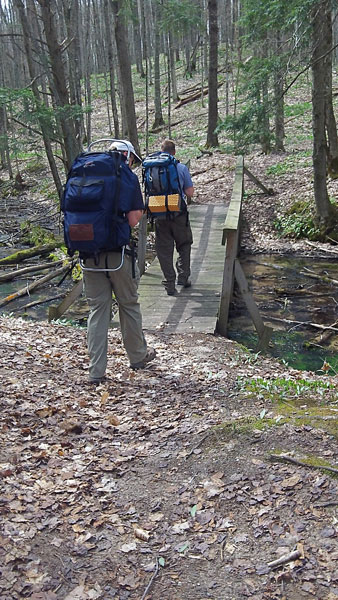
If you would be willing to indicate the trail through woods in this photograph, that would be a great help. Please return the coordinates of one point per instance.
(161, 484)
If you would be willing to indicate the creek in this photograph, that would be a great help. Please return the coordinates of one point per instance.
(287, 293)
(283, 289)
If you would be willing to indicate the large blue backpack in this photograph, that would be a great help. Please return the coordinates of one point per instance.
(98, 193)
(162, 189)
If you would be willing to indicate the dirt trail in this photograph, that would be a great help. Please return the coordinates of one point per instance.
(159, 484)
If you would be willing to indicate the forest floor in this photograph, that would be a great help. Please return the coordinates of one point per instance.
(184, 481)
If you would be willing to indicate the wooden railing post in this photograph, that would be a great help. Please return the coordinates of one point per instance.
(232, 266)
(231, 241)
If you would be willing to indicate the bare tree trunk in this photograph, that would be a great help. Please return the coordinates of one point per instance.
(27, 36)
(138, 48)
(111, 66)
(125, 71)
(330, 121)
(279, 101)
(72, 145)
(71, 14)
(212, 138)
(319, 79)
(157, 76)
(169, 86)
(174, 94)
(87, 70)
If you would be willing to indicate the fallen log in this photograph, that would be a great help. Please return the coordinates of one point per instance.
(37, 302)
(300, 292)
(55, 312)
(323, 278)
(305, 323)
(321, 338)
(194, 96)
(29, 288)
(33, 268)
(21, 255)
(194, 173)
(318, 247)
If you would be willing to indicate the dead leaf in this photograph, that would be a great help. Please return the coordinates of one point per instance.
(128, 547)
(104, 398)
(113, 420)
(291, 482)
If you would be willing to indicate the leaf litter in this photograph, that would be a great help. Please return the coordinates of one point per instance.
(139, 481)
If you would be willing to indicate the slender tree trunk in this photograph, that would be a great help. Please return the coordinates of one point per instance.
(71, 14)
(72, 145)
(319, 79)
(125, 70)
(173, 78)
(157, 76)
(111, 67)
(212, 139)
(279, 101)
(138, 44)
(27, 36)
(330, 121)
(169, 86)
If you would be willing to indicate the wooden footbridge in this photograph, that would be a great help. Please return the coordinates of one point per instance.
(215, 266)
(194, 308)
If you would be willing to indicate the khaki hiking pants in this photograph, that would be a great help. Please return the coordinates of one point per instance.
(99, 287)
(170, 233)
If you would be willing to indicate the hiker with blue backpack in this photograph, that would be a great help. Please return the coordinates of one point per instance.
(102, 201)
(168, 187)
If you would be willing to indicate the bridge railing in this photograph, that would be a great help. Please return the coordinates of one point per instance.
(232, 267)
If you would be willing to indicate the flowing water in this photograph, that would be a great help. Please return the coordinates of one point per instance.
(288, 293)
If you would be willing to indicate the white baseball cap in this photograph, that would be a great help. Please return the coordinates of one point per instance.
(125, 146)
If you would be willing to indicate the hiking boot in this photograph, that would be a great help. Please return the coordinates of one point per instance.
(151, 353)
(96, 380)
(172, 291)
(184, 282)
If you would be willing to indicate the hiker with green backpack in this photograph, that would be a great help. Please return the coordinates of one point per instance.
(168, 186)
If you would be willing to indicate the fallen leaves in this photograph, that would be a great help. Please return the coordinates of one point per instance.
(107, 485)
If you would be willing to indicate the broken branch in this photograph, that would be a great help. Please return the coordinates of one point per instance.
(150, 582)
(305, 323)
(295, 461)
(29, 288)
(13, 274)
(285, 559)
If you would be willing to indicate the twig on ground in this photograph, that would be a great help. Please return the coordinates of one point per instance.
(222, 547)
(285, 559)
(295, 461)
(151, 581)
(196, 446)
(325, 504)
(321, 248)
(306, 271)
(304, 323)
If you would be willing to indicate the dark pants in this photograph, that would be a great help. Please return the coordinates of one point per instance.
(174, 232)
